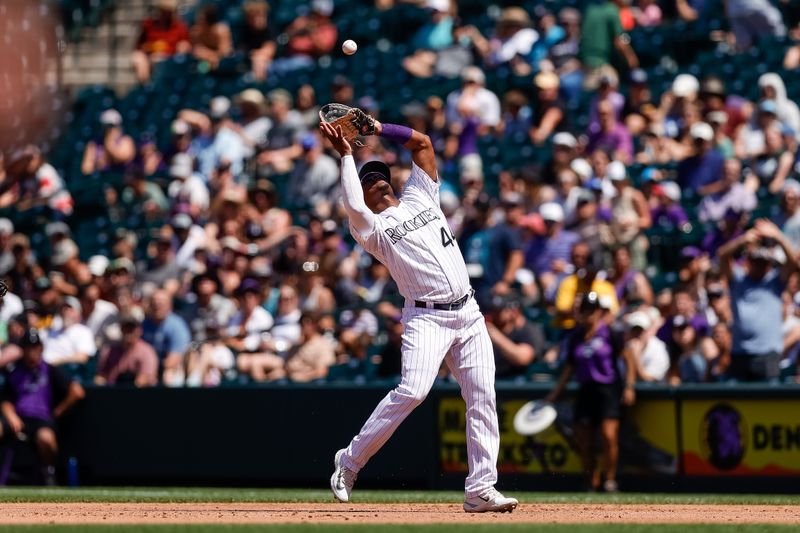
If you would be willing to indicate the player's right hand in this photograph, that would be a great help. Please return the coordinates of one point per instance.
(337, 138)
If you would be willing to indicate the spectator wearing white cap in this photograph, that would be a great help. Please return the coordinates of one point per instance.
(216, 142)
(473, 102)
(113, 150)
(649, 352)
(705, 164)
(548, 255)
(69, 341)
(564, 146)
(630, 216)
(667, 211)
(187, 190)
(674, 104)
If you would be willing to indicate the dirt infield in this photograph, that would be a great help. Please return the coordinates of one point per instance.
(299, 513)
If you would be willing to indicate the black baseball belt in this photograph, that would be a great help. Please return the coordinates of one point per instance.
(452, 306)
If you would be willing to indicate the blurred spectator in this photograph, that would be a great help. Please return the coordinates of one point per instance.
(309, 37)
(504, 251)
(168, 334)
(113, 150)
(282, 144)
(257, 38)
(305, 104)
(548, 111)
(207, 363)
(433, 36)
(601, 34)
(548, 255)
(575, 286)
(130, 361)
(727, 193)
(610, 135)
(629, 283)
(205, 305)
(751, 139)
(285, 333)
(160, 37)
(512, 40)
(32, 182)
(68, 342)
(97, 314)
(773, 88)
(751, 20)
(756, 291)
(34, 396)
(639, 109)
(315, 175)
(473, 107)
(667, 211)
(253, 124)
(790, 204)
(311, 357)
(246, 334)
(591, 351)
(516, 119)
(705, 165)
(647, 13)
(688, 363)
(216, 143)
(775, 163)
(187, 190)
(210, 37)
(391, 359)
(629, 216)
(515, 340)
(563, 56)
(647, 350)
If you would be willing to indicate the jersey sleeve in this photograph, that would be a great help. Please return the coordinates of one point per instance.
(421, 183)
(373, 241)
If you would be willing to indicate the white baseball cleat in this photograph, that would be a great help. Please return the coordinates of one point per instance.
(342, 479)
(491, 501)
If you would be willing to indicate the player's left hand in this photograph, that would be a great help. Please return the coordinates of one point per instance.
(337, 138)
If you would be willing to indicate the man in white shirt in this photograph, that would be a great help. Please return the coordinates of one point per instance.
(649, 351)
(187, 187)
(69, 341)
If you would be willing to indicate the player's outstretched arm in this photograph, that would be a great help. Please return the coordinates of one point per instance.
(361, 218)
(416, 141)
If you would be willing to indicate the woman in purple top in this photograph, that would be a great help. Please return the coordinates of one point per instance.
(592, 350)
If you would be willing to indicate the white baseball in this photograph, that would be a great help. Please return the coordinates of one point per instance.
(349, 47)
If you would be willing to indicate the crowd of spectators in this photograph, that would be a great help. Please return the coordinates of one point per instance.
(245, 283)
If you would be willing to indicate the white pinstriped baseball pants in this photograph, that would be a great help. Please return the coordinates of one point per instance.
(460, 338)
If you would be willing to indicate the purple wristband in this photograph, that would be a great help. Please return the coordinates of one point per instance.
(398, 134)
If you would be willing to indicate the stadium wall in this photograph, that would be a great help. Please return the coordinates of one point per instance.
(693, 438)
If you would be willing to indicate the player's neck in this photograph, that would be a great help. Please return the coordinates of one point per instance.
(386, 202)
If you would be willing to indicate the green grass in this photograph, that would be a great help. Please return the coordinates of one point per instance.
(222, 495)
(434, 528)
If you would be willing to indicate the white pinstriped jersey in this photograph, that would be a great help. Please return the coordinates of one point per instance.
(415, 243)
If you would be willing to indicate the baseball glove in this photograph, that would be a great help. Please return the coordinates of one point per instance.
(353, 121)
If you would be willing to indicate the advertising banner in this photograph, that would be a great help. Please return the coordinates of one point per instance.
(648, 440)
(741, 437)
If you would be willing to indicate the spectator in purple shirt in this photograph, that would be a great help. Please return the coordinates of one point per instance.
(548, 255)
(705, 164)
(592, 350)
(668, 212)
(34, 395)
(610, 135)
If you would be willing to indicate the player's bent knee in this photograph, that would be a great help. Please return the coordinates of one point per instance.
(415, 396)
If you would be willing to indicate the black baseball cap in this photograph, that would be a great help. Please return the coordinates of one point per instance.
(372, 168)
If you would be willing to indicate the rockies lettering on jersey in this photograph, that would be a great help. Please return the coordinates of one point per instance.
(415, 243)
(401, 230)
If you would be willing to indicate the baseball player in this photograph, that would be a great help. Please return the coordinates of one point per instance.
(408, 233)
